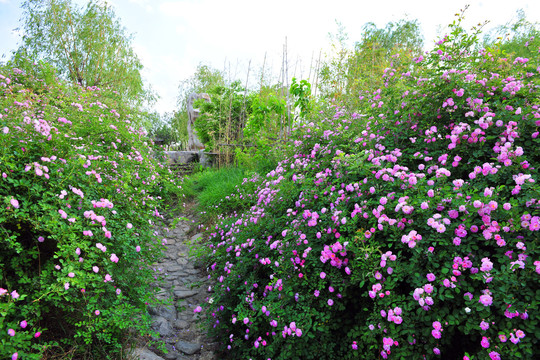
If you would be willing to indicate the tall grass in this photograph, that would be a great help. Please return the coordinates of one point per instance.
(214, 189)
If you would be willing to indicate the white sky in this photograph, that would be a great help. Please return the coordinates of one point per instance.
(172, 37)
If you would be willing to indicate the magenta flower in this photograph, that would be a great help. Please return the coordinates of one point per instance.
(323, 274)
(198, 309)
(484, 342)
(15, 356)
(484, 325)
(486, 300)
(24, 324)
(330, 302)
(11, 332)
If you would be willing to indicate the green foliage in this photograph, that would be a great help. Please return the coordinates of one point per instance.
(218, 191)
(301, 91)
(88, 46)
(222, 120)
(79, 194)
(349, 72)
(165, 127)
(516, 38)
(410, 230)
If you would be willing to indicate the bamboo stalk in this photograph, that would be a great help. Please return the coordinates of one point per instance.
(287, 88)
(262, 73)
(242, 119)
(317, 73)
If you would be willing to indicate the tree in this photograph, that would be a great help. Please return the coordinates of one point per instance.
(351, 71)
(203, 80)
(518, 38)
(87, 45)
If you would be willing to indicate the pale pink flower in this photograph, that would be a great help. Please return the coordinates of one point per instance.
(15, 203)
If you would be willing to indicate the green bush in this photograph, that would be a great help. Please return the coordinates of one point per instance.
(410, 231)
(80, 192)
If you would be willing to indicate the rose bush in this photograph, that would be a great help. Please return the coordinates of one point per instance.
(80, 190)
(406, 229)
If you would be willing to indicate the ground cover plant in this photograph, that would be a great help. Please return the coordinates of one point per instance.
(407, 229)
(80, 191)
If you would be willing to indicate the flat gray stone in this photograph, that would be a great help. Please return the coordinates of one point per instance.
(182, 294)
(173, 267)
(187, 347)
(181, 324)
(171, 354)
(145, 354)
(168, 312)
(196, 237)
(162, 326)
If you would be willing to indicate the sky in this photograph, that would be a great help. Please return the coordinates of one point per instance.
(172, 37)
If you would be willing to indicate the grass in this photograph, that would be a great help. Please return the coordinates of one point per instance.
(211, 187)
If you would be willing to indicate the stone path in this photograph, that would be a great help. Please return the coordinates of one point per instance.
(187, 286)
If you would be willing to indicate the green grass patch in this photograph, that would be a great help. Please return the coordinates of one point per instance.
(219, 191)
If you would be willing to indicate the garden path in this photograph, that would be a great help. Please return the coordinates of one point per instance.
(186, 285)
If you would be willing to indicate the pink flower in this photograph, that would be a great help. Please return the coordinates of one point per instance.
(97, 312)
(11, 332)
(66, 286)
(15, 356)
(484, 342)
(15, 294)
(486, 300)
(330, 302)
(137, 248)
(15, 203)
(484, 325)
(37, 334)
(114, 258)
(198, 309)
(129, 226)
(95, 269)
(323, 274)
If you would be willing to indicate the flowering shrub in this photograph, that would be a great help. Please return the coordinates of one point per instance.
(79, 192)
(410, 231)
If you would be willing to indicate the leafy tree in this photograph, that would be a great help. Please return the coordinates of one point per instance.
(516, 38)
(87, 45)
(351, 71)
(203, 80)
(222, 119)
